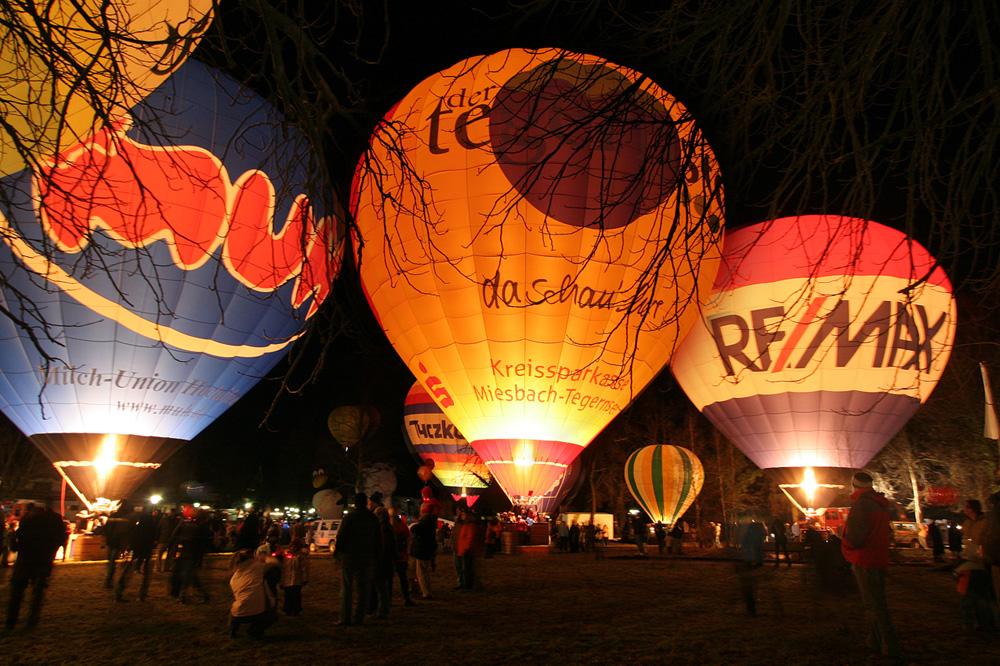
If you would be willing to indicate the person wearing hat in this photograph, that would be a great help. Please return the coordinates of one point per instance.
(867, 537)
(358, 545)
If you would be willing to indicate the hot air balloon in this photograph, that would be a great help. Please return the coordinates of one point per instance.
(350, 425)
(154, 273)
(126, 49)
(823, 336)
(441, 446)
(664, 480)
(532, 228)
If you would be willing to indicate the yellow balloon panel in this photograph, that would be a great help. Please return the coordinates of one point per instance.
(533, 227)
(86, 60)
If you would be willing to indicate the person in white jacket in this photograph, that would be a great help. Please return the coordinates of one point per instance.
(253, 601)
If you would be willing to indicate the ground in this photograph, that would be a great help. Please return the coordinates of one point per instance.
(536, 607)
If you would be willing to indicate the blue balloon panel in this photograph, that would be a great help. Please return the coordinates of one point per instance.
(156, 271)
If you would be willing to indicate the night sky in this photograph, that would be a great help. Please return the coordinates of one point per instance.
(241, 456)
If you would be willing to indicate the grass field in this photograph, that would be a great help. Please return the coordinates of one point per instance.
(536, 607)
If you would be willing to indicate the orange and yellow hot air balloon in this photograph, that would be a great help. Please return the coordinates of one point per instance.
(535, 231)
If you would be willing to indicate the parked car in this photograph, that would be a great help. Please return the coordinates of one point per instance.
(324, 536)
(906, 535)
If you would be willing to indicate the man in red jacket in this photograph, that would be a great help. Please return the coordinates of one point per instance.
(867, 537)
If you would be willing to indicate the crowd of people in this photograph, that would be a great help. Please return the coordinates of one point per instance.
(375, 546)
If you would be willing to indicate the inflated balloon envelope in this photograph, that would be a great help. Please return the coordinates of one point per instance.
(664, 480)
(533, 227)
(126, 49)
(823, 337)
(441, 446)
(166, 264)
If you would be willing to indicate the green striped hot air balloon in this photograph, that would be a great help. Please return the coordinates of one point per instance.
(664, 480)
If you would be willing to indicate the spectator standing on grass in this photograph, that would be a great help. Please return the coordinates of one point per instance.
(453, 546)
(990, 547)
(752, 543)
(468, 548)
(937, 543)
(272, 548)
(4, 543)
(38, 537)
(192, 538)
(250, 530)
(574, 537)
(677, 538)
(954, 539)
(358, 545)
(589, 536)
(639, 533)
(294, 576)
(297, 530)
(401, 541)
(866, 541)
(660, 535)
(142, 537)
(423, 550)
(165, 553)
(492, 537)
(385, 563)
(781, 533)
(253, 601)
(562, 529)
(116, 535)
(974, 578)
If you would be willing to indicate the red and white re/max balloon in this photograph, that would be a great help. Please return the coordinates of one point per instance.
(532, 227)
(823, 336)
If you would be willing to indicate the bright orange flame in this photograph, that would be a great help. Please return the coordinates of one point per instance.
(106, 459)
(809, 485)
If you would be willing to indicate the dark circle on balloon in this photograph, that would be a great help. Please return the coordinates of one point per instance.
(582, 144)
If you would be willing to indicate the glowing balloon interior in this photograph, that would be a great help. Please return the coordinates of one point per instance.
(823, 336)
(126, 49)
(664, 480)
(533, 226)
(174, 257)
(550, 500)
(433, 437)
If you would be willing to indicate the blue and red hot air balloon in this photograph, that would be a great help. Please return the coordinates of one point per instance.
(823, 336)
(162, 266)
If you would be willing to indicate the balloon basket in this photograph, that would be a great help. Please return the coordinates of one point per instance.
(509, 543)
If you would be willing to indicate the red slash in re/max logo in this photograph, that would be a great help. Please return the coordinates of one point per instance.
(903, 331)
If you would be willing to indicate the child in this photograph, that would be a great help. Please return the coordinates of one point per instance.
(294, 574)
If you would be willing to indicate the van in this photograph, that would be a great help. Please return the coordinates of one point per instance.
(906, 535)
(324, 535)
